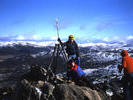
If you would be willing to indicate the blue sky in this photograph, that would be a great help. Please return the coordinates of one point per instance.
(87, 19)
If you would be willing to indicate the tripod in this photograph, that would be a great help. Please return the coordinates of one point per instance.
(58, 49)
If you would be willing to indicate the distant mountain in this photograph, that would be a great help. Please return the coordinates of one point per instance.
(129, 43)
(94, 45)
(29, 43)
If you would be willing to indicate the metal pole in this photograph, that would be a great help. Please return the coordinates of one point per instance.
(57, 27)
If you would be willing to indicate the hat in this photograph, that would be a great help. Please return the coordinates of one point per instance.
(71, 37)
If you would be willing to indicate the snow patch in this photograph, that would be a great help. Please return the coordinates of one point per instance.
(89, 71)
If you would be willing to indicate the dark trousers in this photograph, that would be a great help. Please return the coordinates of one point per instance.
(69, 74)
(128, 86)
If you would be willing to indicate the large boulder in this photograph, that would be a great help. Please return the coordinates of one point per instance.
(74, 92)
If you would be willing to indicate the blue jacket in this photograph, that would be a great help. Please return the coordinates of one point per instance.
(78, 72)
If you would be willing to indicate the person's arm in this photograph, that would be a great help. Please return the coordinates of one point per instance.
(124, 65)
(59, 40)
(120, 68)
(62, 44)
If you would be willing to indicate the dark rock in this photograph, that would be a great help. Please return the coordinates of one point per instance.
(26, 91)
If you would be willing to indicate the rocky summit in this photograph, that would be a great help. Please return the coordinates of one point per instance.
(41, 84)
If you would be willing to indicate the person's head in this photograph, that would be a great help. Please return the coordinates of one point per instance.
(124, 53)
(71, 38)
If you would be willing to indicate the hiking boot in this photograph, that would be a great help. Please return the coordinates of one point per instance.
(69, 81)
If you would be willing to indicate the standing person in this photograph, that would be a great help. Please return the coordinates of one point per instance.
(71, 49)
(127, 65)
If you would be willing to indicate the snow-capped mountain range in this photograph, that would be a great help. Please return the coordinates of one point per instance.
(52, 43)
(29, 43)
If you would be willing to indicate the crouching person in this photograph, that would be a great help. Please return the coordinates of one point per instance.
(127, 65)
(74, 72)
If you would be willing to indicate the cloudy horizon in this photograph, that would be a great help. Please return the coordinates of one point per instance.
(88, 21)
(38, 38)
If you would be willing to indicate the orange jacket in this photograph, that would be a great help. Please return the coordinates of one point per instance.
(127, 62)
(74, 67)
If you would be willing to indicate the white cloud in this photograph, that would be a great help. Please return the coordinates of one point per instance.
(20, 37)
(129, 37)
(54, 38)
(106, 39)
(115, 37)
(33, 37)
(27, 37)
(36, 37)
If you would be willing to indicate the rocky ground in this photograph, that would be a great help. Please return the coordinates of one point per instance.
(18, 80)
(42, 84)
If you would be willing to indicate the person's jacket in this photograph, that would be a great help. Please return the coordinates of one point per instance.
(127, 62)
(77, 71)
(72, 48)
